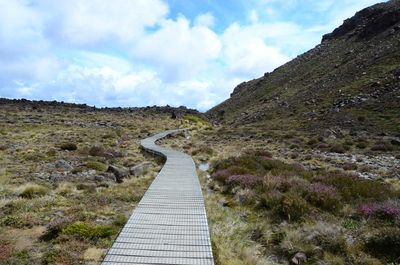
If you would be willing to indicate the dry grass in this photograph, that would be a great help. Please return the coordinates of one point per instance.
(37, 212)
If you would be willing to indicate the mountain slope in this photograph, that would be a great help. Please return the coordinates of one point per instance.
(350, 80)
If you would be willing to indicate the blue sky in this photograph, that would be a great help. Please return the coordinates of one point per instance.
(154, 52)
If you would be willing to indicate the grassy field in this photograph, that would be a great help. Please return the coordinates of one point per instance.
(276, 197)
(58, 203)
(272, 197)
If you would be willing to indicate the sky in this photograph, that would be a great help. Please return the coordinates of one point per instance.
(131, 53)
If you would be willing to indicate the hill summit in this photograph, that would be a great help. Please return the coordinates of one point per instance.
(351, 80)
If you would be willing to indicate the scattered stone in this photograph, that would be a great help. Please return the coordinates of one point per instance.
(99, 178)
(119, 173)
(299, 258)
(140, 169)
(63, 165)
(110, 153)
(57, 177)
(87, 174)
(108, 176)
(43, 175)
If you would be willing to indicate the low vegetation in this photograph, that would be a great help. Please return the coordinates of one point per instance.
(292, 197)
(332, 216)
(59, 204)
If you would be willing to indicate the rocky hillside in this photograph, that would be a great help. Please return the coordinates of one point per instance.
(351, 80)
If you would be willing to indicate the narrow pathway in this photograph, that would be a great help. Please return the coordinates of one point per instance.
(169, 225)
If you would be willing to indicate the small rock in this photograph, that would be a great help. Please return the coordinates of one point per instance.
(99, 178)
(256, 235)
(110, 153)
(63, 165)
(140, 169)
(43, 175)
(56, 177)
(299, 258)
(88, 174)
(119, 173)
(108, 176)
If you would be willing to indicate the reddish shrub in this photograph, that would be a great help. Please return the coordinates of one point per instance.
(388, 210)
(223, 174)
(245, 181)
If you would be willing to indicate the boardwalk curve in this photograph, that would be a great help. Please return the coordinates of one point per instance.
(169, 225)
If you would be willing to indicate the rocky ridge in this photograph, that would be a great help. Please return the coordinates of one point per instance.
(350, 80)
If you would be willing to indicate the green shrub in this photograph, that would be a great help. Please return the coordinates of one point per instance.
(83, 230)
(34, 156)
(382, 146)
(203, 150)
(120, 220)
(385, 243)
(362, 145)
(323, 196)
(98, 166)
(30, 191)
(68, 146)
(352, 187)
(270, 199)
(51, 256)
(312, 142)
(351, 224)
(294, 146)
(96, 150)
(293, 207)
(337, 148)
(336, 245)
(10, 220)
(91, 188)
(195, 119)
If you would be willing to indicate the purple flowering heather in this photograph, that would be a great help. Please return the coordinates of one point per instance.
(221, 175)
(322, 188)
(385, 210)
(245, 181)
(56, 224)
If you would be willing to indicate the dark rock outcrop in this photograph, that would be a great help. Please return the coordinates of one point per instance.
(119, 173)
(369, 22)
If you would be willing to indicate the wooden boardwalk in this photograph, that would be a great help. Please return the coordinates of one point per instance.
(169, 225)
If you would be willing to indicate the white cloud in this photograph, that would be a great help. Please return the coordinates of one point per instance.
(205, 20)
(131, 53)
(179, 50)
(91, 21)
(251, 57)
(254, 16)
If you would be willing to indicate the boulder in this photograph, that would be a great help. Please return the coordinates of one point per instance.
(299, 258)
(140, 169)
(108, 176)
(395, 142)
(119, 173)
(63, 165)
